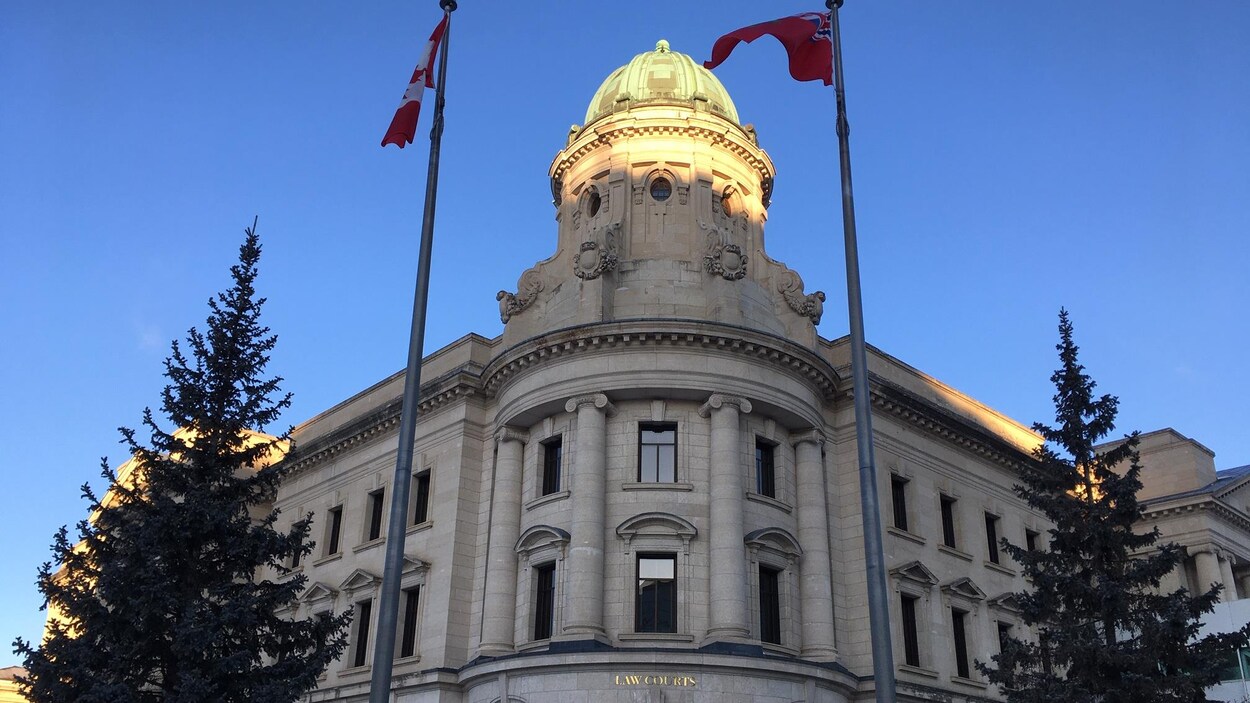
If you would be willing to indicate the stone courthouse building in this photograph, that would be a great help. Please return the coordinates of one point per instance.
(646, 488)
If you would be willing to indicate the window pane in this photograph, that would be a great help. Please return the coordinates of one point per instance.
(648, 471)
(655, 568)
(667, 463)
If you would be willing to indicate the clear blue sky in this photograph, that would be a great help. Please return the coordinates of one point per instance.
(1009, 158)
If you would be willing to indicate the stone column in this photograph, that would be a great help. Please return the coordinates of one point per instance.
(584, 615)
(1243, 583)
(1226, 572)
(727, 569)
(499, 607)
(1208, 565)
(815, 578)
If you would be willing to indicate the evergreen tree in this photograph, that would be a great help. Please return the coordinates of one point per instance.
(1103, 631)
(162, 596)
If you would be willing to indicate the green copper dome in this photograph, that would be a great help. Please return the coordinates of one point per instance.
(661, 77)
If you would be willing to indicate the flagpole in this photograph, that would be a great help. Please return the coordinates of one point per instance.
(870, 506)
(388, 599)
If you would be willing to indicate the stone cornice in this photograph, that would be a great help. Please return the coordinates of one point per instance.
(1197, 504)
(699, 334)
(920, 413)
(606, 134)
(452, 387)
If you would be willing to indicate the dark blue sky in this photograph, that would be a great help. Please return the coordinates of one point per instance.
(1009, 158)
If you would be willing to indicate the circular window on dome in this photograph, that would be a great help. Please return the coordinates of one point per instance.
(661, 189)
(593, 201)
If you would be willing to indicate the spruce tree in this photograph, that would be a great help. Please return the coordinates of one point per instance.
(163, 594)
(1101, 629)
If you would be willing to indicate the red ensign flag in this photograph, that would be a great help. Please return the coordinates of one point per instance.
(807, 38)
(404, 123)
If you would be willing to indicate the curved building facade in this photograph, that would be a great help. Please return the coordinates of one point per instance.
(646, 488)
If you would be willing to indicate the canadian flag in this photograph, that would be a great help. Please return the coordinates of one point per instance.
(404, 123)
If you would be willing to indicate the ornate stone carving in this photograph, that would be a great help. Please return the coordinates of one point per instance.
(811, 306)
(683, 194)
(528, 287)
(512, 434)
(595, 400)
(720, 258)
(593, 259)
(638, 195)
(812, 435)
(716, 401)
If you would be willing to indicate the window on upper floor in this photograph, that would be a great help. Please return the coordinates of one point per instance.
(544, 600)
(410, 601)
(948, 521)
(656, 595)
(1004, 634)
(765, 472)
(553, 455)
(959, 637)
(376, 501)
(360, 634)
(334, 530)
(1030, 540)
(657, 453)
(991, 537)
(898, 495)
(911, 637)
(770, 604)
(420, 497)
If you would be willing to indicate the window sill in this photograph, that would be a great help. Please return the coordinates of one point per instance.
(410, 659)
(904, 534)
(656, 486)
(779, 649)
(655, 637)
(761, 498)
(1000, 568)
(328, 558)
(533, 645)
(368, 545)
(918, 670)
(549, 498)
(954, 552)
(420, 527)
(355, 670)
(969, 682)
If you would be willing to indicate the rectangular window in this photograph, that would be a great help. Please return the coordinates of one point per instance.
(898, 492)
(770, 605)
(408, 633)
(553, 451)
(765, 475)
(297, 555)
(991, 537)
(421, 497)
(544, 600)
(1030, 540)
(948, 521)
(376, 500)
(360, 643)
(1004, 634)
(334, 529)
(911, 638)
(656, 606)
(958, 618)
(657, 453)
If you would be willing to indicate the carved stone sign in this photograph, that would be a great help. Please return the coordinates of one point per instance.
(670, 680)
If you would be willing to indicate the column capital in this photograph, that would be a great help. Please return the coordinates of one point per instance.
(512, 434)
(719, 400)
(811, 434)
(599, 401)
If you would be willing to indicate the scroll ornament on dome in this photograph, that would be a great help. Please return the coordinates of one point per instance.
(811, 306)
(720, 257)
(594, 258)
(528, 287)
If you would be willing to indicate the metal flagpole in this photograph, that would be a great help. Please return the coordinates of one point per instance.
(874, 555)
(388, 600)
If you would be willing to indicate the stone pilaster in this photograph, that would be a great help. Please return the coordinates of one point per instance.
(727, 570)
(815, 578)
(586, 528)
(1208, 566)
(499, 608)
